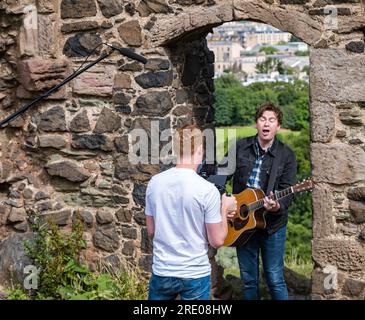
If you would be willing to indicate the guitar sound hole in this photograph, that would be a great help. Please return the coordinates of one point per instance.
(243, 211)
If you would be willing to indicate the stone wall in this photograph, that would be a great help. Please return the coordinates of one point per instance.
(70, 153)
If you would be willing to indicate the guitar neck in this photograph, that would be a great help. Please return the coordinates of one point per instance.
(276, 196)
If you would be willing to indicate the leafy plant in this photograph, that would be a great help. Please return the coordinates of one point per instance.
(62, 276)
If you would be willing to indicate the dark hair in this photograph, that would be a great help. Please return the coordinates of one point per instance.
(268, 106)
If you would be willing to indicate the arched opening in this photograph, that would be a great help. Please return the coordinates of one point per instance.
(201, 73)
(254, 64)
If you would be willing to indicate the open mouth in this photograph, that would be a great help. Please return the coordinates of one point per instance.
(265, 131)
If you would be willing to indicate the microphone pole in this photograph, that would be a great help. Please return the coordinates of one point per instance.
(123, 51)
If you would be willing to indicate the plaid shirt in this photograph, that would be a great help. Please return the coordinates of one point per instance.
(254, 179)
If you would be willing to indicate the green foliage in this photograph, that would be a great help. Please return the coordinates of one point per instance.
(236, 105)
(269, 65)
(306, 69)
(268, 50)
(303, 53)
(62, 276)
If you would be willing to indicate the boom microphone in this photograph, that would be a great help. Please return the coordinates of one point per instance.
(129, 53)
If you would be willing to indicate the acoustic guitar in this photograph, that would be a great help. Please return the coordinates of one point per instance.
(250, 214)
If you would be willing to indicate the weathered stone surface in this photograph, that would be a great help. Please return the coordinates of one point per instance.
(79, 26)
(356, 46)
(99, 82)
(17, 215)
(104, 217)
(44, 205)
(14, 258)
(106, 239)
(52, 120)
(323, 3)
(131, 33)
(21, 227)
(41, 74)
(150, 126)
(346, 255)
(122, 144)
(154, 79)
(155, 64)
(77, 9)
(146, 243)
(52, 141)
(357, 193)
(139, 194)
(28, 33)
(357, 209)
(121, 99)
(156, 103)
(40, 195)
(122, 81)
(335, 76)
(362, 234)
(354, 288)
(47, 35)
(128, 248)
(146, 7)
(82, 44)
(80, 123)
(28, 193)
(145, 262)
(108, 121)
(322, 122)
(60, 218)
(110, 8)
(337, 163)
(130, 233)
(293, 1)
(351, 117)
(45, 6)
(68, 170)
(168, 28)
(322, 12)
(323, 220)
(133, 66)
(140, 218)
(130, 8)
(124, 215)
(91, 141)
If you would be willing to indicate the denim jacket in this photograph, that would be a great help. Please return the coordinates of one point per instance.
(245, 159)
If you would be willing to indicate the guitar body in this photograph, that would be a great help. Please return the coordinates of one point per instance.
(245, 222)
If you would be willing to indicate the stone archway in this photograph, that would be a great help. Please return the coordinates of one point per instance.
(337, 118)
(85, 127)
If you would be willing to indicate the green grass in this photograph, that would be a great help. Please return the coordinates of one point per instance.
(227, 258)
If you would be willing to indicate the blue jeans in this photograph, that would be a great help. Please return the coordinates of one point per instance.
(168, 288)
(272, 254)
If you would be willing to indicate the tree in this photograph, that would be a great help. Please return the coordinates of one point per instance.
(268, 50)
(269, 65)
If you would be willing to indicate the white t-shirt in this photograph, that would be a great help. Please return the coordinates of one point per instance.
(181, 202)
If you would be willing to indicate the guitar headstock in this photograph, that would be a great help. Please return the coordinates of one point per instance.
(305, 185)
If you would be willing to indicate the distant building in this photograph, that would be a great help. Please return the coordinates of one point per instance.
(237, 47)
(268, 38)
(226, 53)
(268, 77)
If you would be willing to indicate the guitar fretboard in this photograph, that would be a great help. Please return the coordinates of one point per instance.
(277, 196)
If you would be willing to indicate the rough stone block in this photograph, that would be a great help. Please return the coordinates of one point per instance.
(323, 219)
(337, 163)
(322, 122)
(98, 82)
(346, 255)
(41, 74)
(336, 76)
